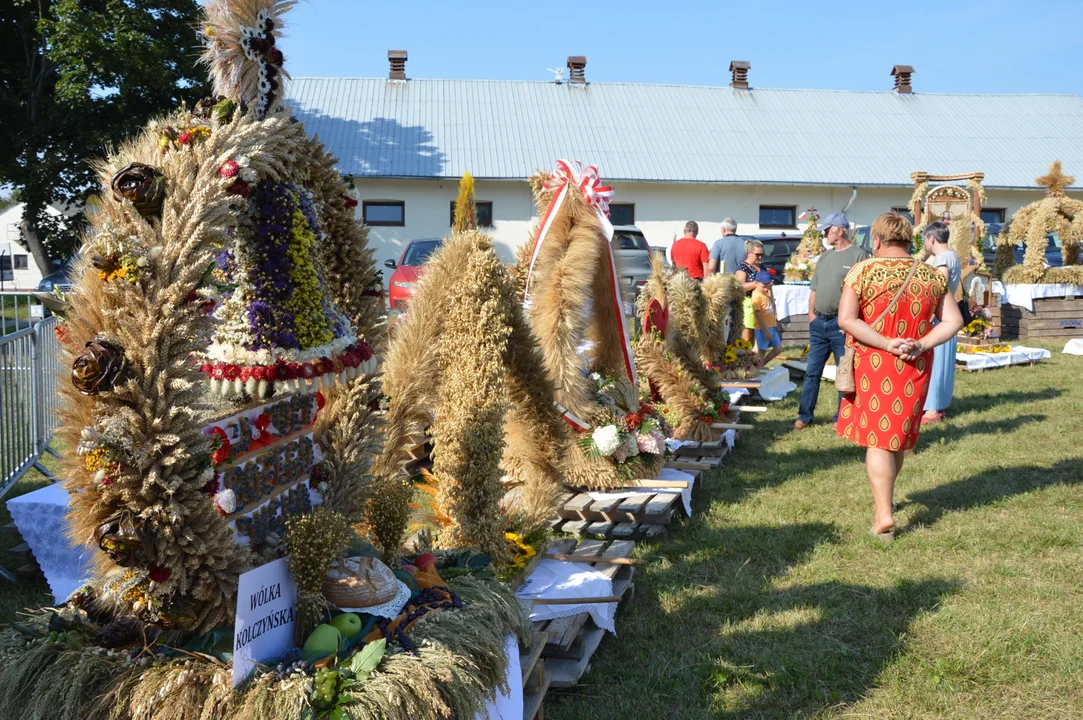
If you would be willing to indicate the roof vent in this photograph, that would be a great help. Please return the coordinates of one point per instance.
(739, 68)
(577, 69)
(902, 79)
(397, 58)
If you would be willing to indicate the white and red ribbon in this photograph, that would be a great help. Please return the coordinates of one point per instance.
(597, 195)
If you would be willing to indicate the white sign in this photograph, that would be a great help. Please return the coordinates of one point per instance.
(266, 609)
(37, 311)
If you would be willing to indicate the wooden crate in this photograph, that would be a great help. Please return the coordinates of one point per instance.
(794, 329)
(1052, 318)
(573, 640)
(536, 678)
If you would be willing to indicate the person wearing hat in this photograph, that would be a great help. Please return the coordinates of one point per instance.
(825, 336)
(768, 342)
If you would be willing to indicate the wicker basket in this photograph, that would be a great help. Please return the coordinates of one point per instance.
(359, 582)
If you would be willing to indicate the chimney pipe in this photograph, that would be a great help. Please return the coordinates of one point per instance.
(577, 69)
(902, 79)
(397, 58)
(739, 68)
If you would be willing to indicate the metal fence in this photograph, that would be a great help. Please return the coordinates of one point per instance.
(19, 311)
(29, 375)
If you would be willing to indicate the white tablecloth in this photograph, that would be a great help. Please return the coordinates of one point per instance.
(1024, 295)
(791, 300)
(41, 519)
(1018, 356)
(553, 579)
(775, 383)
(1073, 347)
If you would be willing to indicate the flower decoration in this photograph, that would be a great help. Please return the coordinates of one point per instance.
(606, 439)
(225, 501)
(219, 109)
(229, 169)
(98, 367)
(141, 185)
(978, 328)
(258, 44)
(521, 553)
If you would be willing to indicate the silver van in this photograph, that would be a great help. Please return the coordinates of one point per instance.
(633, 256)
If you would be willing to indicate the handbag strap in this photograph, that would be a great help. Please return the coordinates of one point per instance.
(898, 294)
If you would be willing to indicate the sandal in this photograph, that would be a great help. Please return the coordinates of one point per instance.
(929, 419)
(883, 536)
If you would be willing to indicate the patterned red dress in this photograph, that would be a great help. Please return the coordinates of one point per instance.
(885, 411)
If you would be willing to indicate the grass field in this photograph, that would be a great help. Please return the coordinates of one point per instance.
(773, 602)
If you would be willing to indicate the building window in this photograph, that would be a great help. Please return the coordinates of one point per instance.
(384, 213)
(778, 216)
(19, 262)
(905, 212)
(993, 215)
(622, 213)
(485, 214)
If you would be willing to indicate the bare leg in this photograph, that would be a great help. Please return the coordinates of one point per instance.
(771, 355)
(748, 334)
(882, 467)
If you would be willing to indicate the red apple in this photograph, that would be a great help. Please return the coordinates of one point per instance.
(410, 569)
(424, 562)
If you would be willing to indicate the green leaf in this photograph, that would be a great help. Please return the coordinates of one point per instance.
(365, 662)
(479, 562)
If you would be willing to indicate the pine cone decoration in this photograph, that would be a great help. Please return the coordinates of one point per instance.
(141, 184)
(122, 631)
(98, 367)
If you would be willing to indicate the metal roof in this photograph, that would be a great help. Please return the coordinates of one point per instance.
(500, 129)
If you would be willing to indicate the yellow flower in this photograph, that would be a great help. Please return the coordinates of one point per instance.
(521, 553)
(96, 460)
(200, 132)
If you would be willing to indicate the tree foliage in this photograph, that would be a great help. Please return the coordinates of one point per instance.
(75, 77)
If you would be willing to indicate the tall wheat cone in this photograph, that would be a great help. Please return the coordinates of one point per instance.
(468, 428)
(725, 297)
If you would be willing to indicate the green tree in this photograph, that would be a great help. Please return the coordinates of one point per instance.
(76, 76)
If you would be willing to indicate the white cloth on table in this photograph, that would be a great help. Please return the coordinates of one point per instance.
(775, 383)
(1023, 294)
(1073, 347)
(737, 393)
(509, 705)
(41, 517)
(1018, 356)
(552, 579)
(666, 474)
(390, 609)
(791, 300)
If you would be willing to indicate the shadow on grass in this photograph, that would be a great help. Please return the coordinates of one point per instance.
(980, 403)
(946, 432)
(851, 633)
(990, 486)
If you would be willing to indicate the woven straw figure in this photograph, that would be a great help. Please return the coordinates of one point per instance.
(1056, 212)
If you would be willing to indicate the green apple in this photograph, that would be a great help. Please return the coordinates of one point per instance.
(325, 640)
(348, 624)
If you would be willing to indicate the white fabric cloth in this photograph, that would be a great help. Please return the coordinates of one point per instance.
(791, 300)
(1018, 355)
(737, 393)
(1073, 347)
(1024, 295)
(559, 579)
(389, 609)
(775, 383)
(509, 705)
(41, 517)
(666, 474)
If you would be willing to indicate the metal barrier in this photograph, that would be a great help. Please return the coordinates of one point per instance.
(19, 311)
(29, 374)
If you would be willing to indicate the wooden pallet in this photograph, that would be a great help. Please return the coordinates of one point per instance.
(536, 678)
(573, 640)
(640, 515)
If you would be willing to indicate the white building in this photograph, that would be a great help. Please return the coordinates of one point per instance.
(674, 153)
(18, 270)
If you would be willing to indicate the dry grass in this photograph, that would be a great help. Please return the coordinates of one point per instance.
(772, 602)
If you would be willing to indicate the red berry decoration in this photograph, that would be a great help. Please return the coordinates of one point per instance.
(239, 187)
(159, 574)
(184, 138)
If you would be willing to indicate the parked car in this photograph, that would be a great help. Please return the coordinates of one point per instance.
(633, 256)
(59, 278)
(777, 250)
(1054, 251)
(407, 271)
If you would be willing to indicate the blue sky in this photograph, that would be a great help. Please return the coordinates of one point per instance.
(965, 46)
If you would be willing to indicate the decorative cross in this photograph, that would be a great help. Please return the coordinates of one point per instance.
(1055, 180)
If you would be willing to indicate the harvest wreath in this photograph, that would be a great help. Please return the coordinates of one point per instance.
(222, 337)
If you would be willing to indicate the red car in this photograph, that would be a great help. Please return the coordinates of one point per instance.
(408, 270)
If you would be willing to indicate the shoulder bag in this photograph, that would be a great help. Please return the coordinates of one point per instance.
(844, 376)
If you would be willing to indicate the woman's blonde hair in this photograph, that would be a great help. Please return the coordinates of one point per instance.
(749, 244)
(893, 228)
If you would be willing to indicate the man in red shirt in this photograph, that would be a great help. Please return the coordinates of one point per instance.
(690, 254)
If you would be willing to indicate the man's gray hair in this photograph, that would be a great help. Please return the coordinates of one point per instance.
(729, 224)
(938, 231)
(691, 228)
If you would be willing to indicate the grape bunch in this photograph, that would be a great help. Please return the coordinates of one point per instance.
(325, 689)
(284, 670)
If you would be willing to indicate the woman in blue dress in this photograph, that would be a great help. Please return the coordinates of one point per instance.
(942, 382)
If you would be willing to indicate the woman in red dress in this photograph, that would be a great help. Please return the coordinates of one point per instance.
(893, 359)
